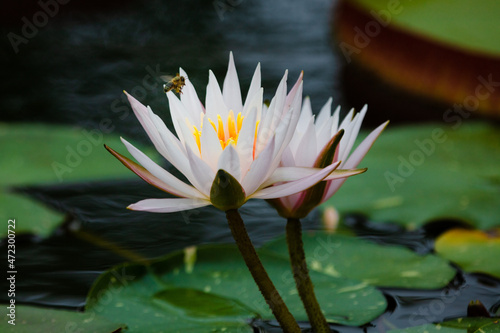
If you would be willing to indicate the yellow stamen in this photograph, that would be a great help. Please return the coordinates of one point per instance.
(239, 121)
(231, 126)
(220, 125)
(213, 125)
(255, 138)
(197, 136)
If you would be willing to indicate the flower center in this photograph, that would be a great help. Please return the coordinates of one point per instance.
(227, 134)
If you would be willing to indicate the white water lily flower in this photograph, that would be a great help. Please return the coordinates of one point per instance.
(226, 137)
(320, 141)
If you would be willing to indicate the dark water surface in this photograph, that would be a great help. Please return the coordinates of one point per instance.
(73, 71)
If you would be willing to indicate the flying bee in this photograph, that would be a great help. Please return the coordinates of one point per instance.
(174, 83)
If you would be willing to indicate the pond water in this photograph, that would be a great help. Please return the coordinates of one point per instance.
(73, 72)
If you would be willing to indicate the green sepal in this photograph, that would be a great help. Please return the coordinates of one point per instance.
(226, 192)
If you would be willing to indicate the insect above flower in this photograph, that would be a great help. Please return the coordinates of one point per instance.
(229, 151)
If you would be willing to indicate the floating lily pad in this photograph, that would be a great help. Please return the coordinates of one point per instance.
(29, 319)
(41, 154)
(217, 292)
(420, 173)
(379, 265)
(472, 250)
(460, 325)
(464, 23)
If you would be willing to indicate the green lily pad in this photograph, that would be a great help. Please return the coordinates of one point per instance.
(460, 325)
(466, 23)
(472, 250)
(35, 154)
(217, 292)
(29, 319)
(379, 265)
(421, 173)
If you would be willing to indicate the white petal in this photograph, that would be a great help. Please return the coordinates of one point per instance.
(287, 159)
(245, 142)
(352, 134)
(254, 88)
(282, 142)
(307, 149)
(284, 190)
(258, 169)
(231, 89)
(288, 174)
(272, 117)
(324, 113)
(167, 205)
(177, 113)
(142, 114)
(186, 130)
(162, 174)
(335, 124)
(214, 102)
(305, 115)
(229, 161)
(255, 103)
(210, 145)
(363, 148)
(190, 99)
(292, 102)
(354, 160)
(203, 175)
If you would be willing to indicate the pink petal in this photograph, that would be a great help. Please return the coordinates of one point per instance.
(355, 158)
(284, 190)
(167, 205)
(162, 174)
(144, 174)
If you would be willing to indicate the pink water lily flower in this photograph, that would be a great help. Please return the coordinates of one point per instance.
(229, 151)
(320, 141)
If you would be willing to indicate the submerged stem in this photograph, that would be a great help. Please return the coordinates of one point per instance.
(259, 274)
(301, 276)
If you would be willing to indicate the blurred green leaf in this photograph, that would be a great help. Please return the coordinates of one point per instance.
(467, 24)
(35, 154)
(227, 297)
(31, 319)
(421, 173)
(472, 250)
(379, 265)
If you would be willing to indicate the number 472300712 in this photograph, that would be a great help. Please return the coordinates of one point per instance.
(11, 252)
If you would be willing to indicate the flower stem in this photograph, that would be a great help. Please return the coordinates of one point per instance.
(259, 274)
(301, 276)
